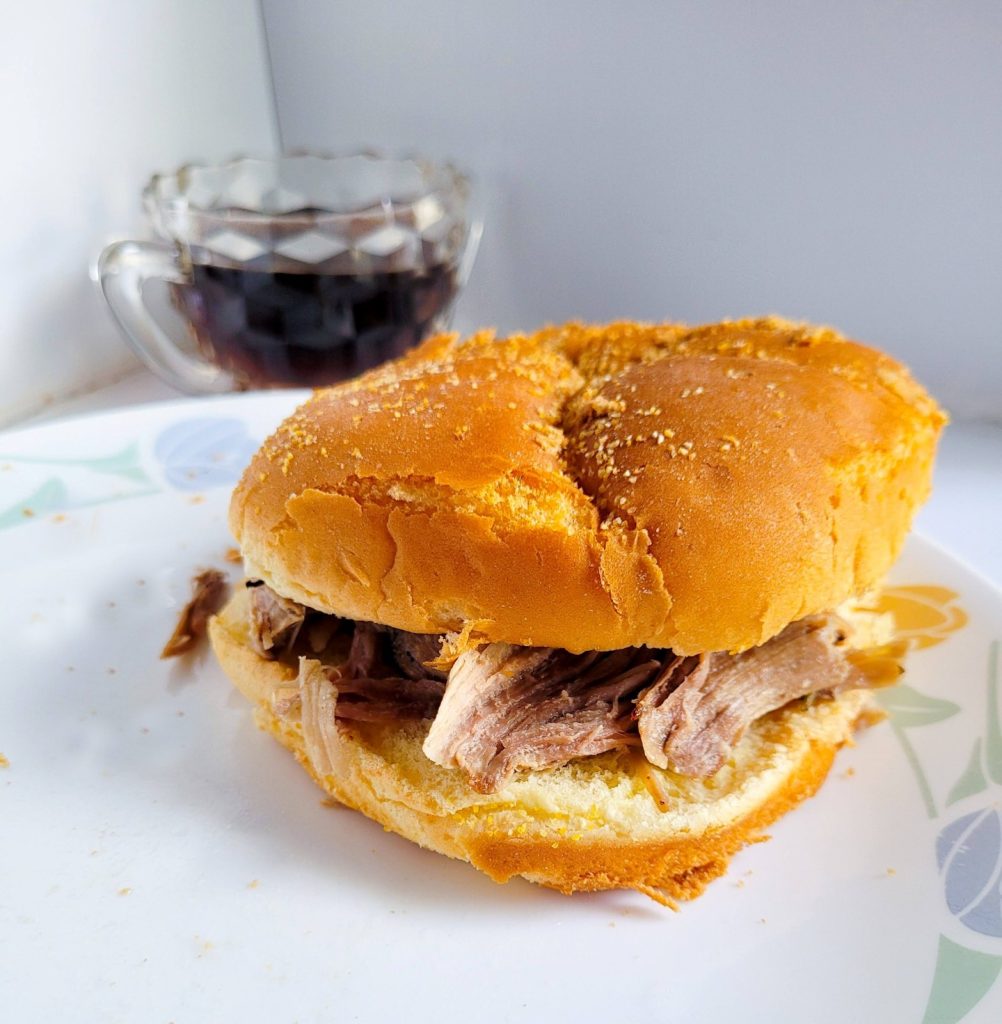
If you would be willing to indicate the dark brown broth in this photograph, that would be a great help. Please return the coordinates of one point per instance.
(310, 329)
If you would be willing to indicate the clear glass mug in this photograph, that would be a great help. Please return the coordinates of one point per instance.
(297, 271)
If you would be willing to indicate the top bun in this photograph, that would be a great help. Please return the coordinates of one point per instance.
(596, 487)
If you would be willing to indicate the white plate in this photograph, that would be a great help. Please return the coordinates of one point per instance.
(161, 860)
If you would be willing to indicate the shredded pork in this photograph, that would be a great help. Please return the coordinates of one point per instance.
(413, 651)
(504, 708)
(275, 620)
(318, 716)
(698, 708)
(371, 688)
(508, 707)
(208, 591)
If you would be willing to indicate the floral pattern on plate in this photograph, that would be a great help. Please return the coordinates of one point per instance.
(191, 454)
(968, 848)
(200, 453)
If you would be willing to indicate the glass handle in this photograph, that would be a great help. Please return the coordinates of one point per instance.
(123, 269)
(471, 245)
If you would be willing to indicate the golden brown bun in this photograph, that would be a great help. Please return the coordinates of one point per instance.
(596, 487)
(589, 825)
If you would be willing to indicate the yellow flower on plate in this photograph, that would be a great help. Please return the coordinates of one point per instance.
(923, 615)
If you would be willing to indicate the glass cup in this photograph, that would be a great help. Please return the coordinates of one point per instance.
(297, 271)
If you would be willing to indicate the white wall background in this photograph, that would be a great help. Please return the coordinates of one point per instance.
(96, 97)
(840, 162)
(642, 158)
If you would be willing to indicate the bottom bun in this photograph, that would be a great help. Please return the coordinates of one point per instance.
(611, 821)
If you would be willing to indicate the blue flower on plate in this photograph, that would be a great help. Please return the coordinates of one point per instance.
(200, 453)
(969, 851)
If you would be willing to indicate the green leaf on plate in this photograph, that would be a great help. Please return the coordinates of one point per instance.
(50, 497)
(908, 707)
(962, 978)
(972, 781)
(125, 463)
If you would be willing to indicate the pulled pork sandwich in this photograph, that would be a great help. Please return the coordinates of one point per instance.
(586, 606)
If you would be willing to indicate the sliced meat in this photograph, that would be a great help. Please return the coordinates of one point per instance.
(697, 709)
(275, 621)
(208, 591)
(508, 707)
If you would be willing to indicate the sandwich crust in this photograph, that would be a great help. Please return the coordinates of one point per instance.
(593, 488)
(589, 825)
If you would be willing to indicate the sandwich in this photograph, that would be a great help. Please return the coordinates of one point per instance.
(592, 606)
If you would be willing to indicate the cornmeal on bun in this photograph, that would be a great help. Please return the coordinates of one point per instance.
(586, 606)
